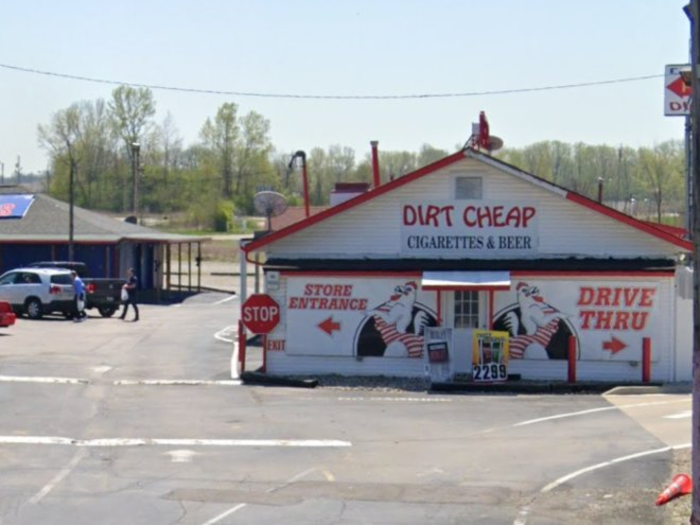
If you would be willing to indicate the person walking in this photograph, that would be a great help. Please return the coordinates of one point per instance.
(131, 287)
(79, 298)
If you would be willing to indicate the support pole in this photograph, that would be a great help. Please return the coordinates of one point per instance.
(241, 345)
(693, 12)
(646, 359)
(264, 356)
(571, 375)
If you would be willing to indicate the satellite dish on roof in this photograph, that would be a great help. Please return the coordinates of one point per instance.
(495, 143)
(271, 204)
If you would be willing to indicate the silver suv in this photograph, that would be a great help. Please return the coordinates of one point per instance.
(38, 291)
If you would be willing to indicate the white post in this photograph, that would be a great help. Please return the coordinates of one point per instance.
(242, 296)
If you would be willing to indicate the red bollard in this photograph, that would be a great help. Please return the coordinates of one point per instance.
(646, 359)
(241, 344)
(572, 359)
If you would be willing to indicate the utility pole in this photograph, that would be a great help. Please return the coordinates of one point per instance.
(71, 207)
(693, 12)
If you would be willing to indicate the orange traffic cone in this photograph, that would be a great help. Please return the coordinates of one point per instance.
(682, 485)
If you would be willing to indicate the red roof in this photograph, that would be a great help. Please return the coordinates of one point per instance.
(652, 229)
(293, 215)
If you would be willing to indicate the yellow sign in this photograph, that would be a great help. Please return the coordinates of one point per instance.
(489, 355)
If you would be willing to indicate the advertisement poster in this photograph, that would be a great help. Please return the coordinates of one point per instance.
(464, 227)
(361, 317)
(609, 318)
(438, 348)
(490, 354)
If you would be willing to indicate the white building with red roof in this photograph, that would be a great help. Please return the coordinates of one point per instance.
(474, 245)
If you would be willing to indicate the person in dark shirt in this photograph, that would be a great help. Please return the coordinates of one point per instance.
(131, 286)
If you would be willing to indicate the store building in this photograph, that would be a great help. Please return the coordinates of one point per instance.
(35, 227)
(472, 243)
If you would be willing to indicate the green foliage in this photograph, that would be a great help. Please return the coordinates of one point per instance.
(234, 159)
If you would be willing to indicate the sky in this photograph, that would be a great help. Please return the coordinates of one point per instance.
(388, 48)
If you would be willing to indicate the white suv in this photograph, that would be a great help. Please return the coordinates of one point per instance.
(38, 291)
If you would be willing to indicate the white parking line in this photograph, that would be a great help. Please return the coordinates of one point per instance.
(273, 489)
(140, 442)
(604, 464)
(226, 300)
(594, 410)
(398, 399)
(521, 519)
(177, 382)
(681, 415)
(56, 380)
(225, 334)
(36, 498)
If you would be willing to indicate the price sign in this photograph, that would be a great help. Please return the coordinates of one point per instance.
(489, 356)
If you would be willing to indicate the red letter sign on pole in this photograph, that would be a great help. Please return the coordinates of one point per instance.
(260, 314)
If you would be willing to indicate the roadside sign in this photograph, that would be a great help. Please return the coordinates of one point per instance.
(490, 354)
(260, 313)
(677, 91)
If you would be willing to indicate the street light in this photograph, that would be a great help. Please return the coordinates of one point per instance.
(135, 150)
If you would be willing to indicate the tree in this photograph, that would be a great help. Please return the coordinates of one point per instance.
(62, 136)
(131, 110)
(220, 137)
(662, 168)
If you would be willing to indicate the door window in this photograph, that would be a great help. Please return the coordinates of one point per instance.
(10, 278)
(466, 309)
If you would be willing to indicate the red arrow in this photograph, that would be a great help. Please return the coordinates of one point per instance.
(614, 345)
(679, 88)
(329, 326)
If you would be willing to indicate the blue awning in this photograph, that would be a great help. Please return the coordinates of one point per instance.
(15, 206)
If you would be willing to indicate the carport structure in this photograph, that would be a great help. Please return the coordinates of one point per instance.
(35, 227)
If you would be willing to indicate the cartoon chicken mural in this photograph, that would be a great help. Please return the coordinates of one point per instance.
(536, 325)
(400, 323)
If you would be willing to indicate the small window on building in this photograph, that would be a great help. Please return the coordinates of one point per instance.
(466, 309)
(468, 188)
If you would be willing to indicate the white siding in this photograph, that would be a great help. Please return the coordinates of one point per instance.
(565, 228)
(281, 363)
(684, 327)
(663, 344)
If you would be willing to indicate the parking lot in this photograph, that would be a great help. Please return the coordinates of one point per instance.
(115, 422)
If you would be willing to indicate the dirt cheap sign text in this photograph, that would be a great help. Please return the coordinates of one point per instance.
(468, 227)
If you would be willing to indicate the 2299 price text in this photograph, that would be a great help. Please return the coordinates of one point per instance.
(490, 372)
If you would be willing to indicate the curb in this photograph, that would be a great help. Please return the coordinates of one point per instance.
(547, 388)
(255, 378)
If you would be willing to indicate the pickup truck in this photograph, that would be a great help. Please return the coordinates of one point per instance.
(101, 293)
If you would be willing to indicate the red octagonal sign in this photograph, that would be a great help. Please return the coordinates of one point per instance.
(260, 313)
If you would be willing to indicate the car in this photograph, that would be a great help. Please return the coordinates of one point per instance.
(101, 293)
(7, 316)
(38, 291)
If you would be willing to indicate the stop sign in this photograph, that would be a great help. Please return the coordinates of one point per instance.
(260, 313)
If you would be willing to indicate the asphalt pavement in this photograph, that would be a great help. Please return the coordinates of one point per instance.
(116, 422)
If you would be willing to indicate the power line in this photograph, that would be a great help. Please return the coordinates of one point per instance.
(330, 97)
